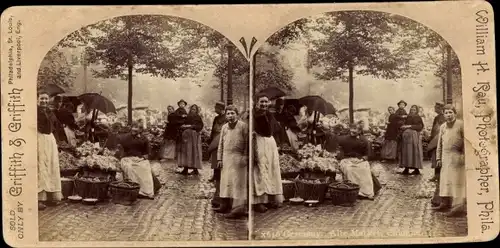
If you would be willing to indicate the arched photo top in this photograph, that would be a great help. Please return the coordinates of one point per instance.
(129, 47)
(347, 45)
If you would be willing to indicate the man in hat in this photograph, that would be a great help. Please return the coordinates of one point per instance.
(180, 115)
(218, 122)
(431, 147)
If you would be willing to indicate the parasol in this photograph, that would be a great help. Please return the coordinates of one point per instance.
(293, 102)
(317, 103)
(97, 101)
(52, 89)
(272, 92)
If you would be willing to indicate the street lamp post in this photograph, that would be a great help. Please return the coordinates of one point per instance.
(229, 74)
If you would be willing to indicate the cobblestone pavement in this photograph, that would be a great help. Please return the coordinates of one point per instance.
(181, 212)
(402, 209)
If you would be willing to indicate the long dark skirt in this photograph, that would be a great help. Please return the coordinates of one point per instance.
(411, 150)
(389, 150)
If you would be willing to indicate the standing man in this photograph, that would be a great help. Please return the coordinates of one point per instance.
(218, 122)
(450, 157)
(232, 156)
(438, 121)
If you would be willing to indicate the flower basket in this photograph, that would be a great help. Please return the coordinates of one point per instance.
(67, 187)
(344, 193)
(288, 189)
(289, 175)
(312, 189)
(124, 193)
(86, 188)
(96, 172)
(68, 173)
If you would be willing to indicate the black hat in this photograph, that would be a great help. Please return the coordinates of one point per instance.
(179, 102)
(402, 101)
(438, 104)
(220, 104)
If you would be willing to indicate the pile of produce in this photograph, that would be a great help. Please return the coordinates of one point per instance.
(92, 179)
(312, 181)
(67, 161)
(125, 184)
(344, 185)
(316, 159)
(86, 149)
(289, 164)
(103, 162)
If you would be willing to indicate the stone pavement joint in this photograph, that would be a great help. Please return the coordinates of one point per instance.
(182, 211)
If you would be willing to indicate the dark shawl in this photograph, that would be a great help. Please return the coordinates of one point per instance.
(264, 123)
(353, 147)
(436, 124)
(172, 127)
(391, 133)
(415, 121)
(46, 121)
(134, 146)
(196, 121)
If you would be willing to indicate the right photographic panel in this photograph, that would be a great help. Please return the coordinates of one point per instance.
(358, 131)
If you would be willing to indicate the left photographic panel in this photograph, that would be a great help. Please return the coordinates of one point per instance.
(140, 118)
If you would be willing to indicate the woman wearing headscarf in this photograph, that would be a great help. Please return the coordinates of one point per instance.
(170, 134)
(49, 178)
(411, 143)
(180, 115)
(267, 187)
(390, 147)
(190, 152)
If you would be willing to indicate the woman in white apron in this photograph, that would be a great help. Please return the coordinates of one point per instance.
(49, 178)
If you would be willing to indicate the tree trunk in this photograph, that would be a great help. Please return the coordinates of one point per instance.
(443, 82)
(229, 75)
(254, 59)
(351, 94)
(85, 89)
(130, 67)
(449, 76)
(222, 76)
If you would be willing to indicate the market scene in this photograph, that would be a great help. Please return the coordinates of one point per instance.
(166, 162)
(357, 136)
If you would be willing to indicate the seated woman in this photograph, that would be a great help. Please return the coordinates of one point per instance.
(134, 150)
(353, 156)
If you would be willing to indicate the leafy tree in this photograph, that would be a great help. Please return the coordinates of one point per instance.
(271, 70)
(359, 42)
(149, 44)
(55, 69)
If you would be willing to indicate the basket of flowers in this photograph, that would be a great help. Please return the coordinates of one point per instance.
(124, 192)
(344, 193)
(92, 187)
(68, 164)
(289, 166)
(312, 189)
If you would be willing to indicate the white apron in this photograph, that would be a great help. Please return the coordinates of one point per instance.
(359, 172)
(49, 174)
(138, 170)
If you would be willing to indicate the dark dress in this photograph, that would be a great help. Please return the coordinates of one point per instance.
(190, 152)
(217, 124)
(357, 147)
(411, 143)
(390, 147)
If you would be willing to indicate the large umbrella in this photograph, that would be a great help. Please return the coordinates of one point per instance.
(272, 92)
(52, 89)
(97, 101)
(317, 103)
(293, 102)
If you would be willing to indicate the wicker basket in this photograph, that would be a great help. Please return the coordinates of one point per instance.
(312, 191)
(289, 175)
(86, 189)
(67, 187)
(343, 196)
(288, 190)
(69, 172)
(124, 195)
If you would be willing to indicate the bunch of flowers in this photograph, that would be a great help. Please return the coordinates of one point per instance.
(103, 162)
(289, 164)
(67, 161)
(316, 159)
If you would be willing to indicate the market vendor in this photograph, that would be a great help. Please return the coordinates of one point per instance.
(67, 124)
(134, 150)
(353, 156)
(266, 173)
(232, 159)
(49, 178)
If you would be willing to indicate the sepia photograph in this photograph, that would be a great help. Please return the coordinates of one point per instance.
(358, 131)
(143, 134)
(249, 124)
